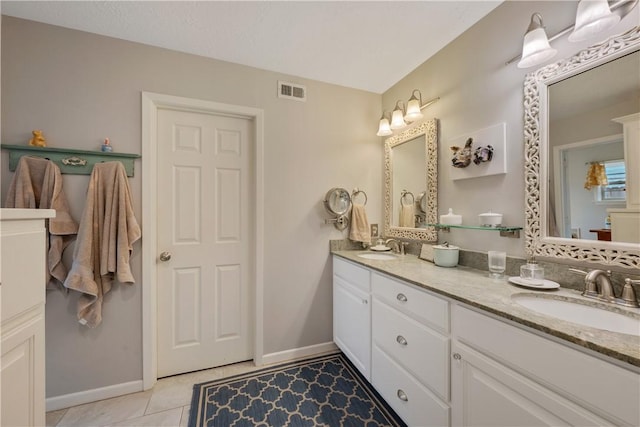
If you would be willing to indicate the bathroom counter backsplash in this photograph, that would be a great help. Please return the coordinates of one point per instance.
(475, 288)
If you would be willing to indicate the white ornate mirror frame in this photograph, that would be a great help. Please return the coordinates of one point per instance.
(430, 130)
(538, 243)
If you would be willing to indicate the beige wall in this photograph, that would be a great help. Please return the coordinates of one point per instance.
(80, 88)
(477, 90)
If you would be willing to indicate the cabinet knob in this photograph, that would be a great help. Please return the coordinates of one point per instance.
(401, 340)
(457, 356)
(402, 395)
(364, 301)
(402, 297)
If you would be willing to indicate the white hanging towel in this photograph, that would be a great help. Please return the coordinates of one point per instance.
(108, 229)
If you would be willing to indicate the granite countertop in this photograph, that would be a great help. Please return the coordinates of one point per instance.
(475, 288)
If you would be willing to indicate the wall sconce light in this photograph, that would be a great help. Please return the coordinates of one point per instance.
(401, 115)
(535, 47)
(384, 129)
(592, 17)
(397, 117)
(413, 107)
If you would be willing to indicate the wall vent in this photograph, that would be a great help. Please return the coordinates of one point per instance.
(292, 91)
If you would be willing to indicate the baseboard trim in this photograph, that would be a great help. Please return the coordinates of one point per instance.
(79, 398)
(297, 353)
(88, 396)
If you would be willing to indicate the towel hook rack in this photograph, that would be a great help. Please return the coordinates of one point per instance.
(70, 161)
(404, 194)
(357, 191)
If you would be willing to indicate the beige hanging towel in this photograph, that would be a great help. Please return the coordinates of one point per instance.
(359, 224)
(37, 184)
(407, 216)
(596, 175)
(108, 229)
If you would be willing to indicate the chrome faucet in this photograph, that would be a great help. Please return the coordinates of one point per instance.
(597, 284)
(399, 246)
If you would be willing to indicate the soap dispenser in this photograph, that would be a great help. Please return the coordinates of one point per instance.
(532, 272)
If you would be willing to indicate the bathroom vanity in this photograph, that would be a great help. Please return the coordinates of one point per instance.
(22, 298)
(452, 347)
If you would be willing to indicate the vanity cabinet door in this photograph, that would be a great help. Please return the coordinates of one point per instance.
(487, 393)
(524, 376)
(352, 316)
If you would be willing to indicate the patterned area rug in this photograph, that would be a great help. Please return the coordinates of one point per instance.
(321, 391)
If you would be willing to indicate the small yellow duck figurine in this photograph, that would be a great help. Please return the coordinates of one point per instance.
(38, 139)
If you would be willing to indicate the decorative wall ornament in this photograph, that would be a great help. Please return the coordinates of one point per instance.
(489, 155)
(537, 243)
(462, 156)
(430, 130)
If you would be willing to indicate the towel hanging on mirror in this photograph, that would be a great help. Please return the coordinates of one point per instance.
(596, 175)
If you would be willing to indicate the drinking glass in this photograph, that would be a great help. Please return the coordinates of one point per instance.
(497, 263)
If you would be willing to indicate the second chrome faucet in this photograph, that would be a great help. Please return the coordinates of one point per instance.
(597, 284)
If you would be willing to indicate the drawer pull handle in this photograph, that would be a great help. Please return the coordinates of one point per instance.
(402, 396)
(402, 298)
(401, 340)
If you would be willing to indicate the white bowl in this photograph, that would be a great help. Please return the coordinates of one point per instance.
(446, 256)
(490, 219)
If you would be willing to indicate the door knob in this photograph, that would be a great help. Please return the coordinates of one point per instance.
(165, 256)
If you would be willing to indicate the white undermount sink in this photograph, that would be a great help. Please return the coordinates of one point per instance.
(586, 315)
(378, 257)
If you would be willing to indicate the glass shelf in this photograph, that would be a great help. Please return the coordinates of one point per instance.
(505, 231)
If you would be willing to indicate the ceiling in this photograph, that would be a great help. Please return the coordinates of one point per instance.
(358, 44)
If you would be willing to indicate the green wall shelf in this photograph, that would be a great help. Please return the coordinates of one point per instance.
(77, 162)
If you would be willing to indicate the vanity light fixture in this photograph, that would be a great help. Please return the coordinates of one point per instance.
(401, 116)
(384, 129)
(535, 48)
(397, 117)
(592, 17)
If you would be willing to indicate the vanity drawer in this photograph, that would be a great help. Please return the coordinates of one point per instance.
(421, 351)
(354, 274)
(427, 308)
(414, 403)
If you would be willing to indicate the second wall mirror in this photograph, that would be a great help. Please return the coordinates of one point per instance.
(411, 183)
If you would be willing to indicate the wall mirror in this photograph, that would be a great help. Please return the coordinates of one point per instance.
(411, 182)
(572, 122)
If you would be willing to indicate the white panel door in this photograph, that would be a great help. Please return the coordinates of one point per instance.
(204, 241)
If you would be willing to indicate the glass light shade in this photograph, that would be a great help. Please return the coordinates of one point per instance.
(593, 17)
(413, 110)
(397, 122)
(536, 48)
(383, 128)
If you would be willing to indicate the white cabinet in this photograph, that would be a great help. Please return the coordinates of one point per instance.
(352, 313)
(505, 376)
(625, 223)
(439, 363)
(410, 354)
(22, 298)
(631, 134)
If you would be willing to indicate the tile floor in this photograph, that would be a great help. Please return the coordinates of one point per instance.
(166, 404)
